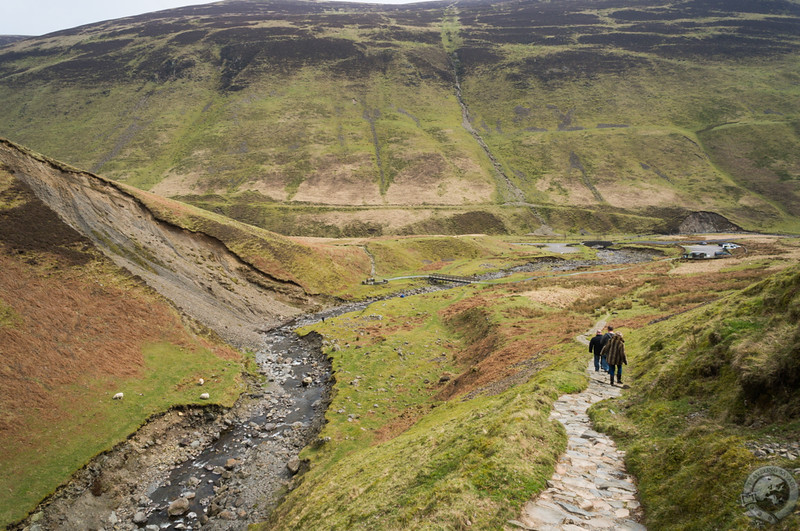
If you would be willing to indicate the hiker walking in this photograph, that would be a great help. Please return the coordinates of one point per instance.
(615, 356)
(596, 346)
(603, 342)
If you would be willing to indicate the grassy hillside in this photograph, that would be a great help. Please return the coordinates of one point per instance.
(327, 119)
(440, 401)
(396, 453)
(321, 269)
(316, 268)
(75, 330)
(640, 105)
(710, 388)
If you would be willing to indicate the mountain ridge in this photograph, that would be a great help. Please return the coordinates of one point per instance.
(284, 112)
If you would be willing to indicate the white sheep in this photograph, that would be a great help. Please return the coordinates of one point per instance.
(205, 396)
(118, 396)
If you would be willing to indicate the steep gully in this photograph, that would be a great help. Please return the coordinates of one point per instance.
(509, 191)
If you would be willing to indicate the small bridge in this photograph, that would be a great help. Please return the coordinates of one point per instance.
(437, 277)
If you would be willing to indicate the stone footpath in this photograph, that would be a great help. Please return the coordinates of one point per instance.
(590, 488)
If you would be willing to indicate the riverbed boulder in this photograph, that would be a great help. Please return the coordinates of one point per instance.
(293, 465)
(140, 518)
(178, 507)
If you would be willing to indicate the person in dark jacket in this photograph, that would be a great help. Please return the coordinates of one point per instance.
(606, 337)
(595, 346)
(615, 356)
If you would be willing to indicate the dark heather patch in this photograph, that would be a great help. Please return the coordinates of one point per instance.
(472, 57)
(727, 46)
(634, 15)
(705, 8)
(502, 36)
(33, 227)
(157, 29)
(95, 49)
(570, 65)
(638, 42)
(243, 35)
(188, 37)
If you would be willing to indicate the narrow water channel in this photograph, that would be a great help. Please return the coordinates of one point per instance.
(286, 414)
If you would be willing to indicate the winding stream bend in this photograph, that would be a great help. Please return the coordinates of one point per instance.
(224, 470)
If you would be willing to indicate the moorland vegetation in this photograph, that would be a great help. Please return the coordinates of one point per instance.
(440, 400)
(339, 119)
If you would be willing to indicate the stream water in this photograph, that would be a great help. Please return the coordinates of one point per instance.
(298, 376)
(295, 393)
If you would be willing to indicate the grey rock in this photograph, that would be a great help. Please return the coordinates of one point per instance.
(140, 518)
(615, 483)
(536, 516)
(630, 525)
(178, 507)
(573, 508)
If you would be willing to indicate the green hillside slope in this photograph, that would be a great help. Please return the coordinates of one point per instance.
(714, 397)
(326, 118)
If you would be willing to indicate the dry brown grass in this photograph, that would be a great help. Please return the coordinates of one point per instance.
(71, 327)
(557, 296)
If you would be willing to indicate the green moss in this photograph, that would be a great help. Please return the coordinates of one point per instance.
(8, 317)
